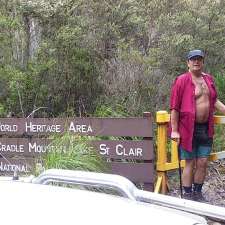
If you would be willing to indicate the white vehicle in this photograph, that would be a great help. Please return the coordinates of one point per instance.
(32, 202)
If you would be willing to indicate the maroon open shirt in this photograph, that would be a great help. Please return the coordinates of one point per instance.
(182, 100)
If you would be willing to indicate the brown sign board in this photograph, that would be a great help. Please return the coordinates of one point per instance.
(137, 172)
(21, 165)
(140, 127)
(137, 150)
(24, 140)
(141, 150)
(28, 147)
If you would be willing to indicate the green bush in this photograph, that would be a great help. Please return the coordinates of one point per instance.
(77, 155)
(219, 139)
(220, 85)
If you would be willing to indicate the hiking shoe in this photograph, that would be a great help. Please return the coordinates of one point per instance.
(188, 196)
(198, 197)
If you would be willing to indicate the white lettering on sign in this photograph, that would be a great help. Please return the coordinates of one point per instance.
(120, 150)
(13, 167)
(80, 128)
(35, 128)
(8, 128)
(104, 150)
(11, 148)
(34, 147)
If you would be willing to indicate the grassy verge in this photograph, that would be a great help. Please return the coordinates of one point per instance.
(77, 154)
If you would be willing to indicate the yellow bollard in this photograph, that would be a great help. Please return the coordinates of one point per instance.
(162, 118)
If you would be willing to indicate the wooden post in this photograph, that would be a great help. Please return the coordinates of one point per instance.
(162, 121)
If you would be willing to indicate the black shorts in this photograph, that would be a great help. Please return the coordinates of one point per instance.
(201, 143)
(200, 135)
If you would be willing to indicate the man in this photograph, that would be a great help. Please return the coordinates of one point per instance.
(192, 104)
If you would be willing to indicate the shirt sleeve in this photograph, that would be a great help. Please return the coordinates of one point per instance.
(175, 97)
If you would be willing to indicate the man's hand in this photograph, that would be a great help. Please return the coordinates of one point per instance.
(220, 106)
(175, 136)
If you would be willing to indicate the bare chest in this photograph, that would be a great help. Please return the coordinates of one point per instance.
(201, 89)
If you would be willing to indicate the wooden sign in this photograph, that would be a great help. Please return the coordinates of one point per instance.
(140, 127)
(30, 147)
(24, 140)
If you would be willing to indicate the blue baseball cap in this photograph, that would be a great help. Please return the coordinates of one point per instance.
(194, 53)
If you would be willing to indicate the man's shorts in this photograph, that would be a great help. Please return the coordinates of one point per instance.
(201, 144)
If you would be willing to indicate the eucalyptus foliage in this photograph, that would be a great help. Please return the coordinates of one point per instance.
(71, 56)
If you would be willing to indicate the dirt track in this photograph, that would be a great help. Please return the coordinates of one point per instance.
(214, 186)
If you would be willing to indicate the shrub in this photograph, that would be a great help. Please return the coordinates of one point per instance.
(78, 155)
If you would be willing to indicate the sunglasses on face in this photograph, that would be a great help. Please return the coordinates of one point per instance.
(199, 58)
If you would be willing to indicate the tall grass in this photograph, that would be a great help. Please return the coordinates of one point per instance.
(76, 154)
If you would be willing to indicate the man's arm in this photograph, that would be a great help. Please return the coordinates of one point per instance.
(220, 106)
(175, 135)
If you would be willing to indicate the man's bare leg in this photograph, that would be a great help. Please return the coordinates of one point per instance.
(187, 177)
(200, 172)
(188, 171)
(199, 177)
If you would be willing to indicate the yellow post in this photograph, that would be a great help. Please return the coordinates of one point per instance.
(162, 118)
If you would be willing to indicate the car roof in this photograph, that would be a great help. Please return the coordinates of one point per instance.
(27, 203)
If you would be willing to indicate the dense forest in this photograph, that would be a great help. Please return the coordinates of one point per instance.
(109, 57)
